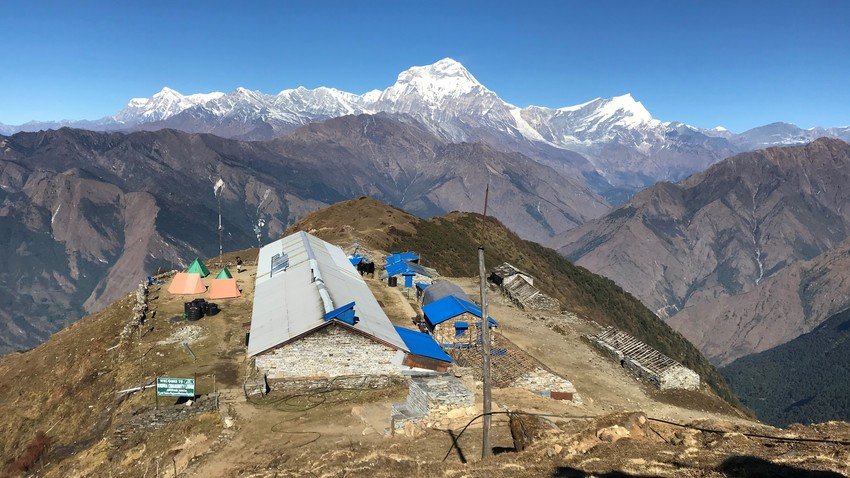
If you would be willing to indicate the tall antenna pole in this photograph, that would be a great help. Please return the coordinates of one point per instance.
(486, 449)
(217, 188)
(220, 247)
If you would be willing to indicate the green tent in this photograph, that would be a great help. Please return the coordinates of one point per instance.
(198, 267)
(224, 274)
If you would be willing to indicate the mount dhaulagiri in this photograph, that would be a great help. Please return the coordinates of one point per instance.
(86, 215)
(713, 242)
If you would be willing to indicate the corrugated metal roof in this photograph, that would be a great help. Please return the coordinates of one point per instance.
(422, 344)
(406, 269)
(506, 269)
(317, 278)
(443, 288)
(448, 308)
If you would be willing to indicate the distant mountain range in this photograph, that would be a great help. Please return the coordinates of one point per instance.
(723, 254)
(614, 144)
(86, 215)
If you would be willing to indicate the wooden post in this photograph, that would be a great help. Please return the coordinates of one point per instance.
(174, 462)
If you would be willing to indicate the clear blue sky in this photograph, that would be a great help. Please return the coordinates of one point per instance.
(739, 64)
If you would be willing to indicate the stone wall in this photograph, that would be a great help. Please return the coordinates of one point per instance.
(547, 384)
(678, 377)
(433, 401)
(332, 357)
(444, 333)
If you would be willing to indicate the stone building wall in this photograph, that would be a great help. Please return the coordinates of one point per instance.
(331, 357)
(678, 377)
(444, 333)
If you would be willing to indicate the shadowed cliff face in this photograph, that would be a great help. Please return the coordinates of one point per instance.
(720, 234)
(86, 215)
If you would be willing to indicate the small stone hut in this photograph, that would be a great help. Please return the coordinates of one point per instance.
(453, 321)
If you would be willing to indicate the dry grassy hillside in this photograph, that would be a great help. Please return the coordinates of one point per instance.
(65, 415)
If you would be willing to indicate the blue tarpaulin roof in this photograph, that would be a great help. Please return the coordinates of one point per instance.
(422, 344)
(355, 260)
(345, 313)
(422, 285)
(402, 256)
(450, 307)
(406, 269)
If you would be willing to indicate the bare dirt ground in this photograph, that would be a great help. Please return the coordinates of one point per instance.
(604, 385)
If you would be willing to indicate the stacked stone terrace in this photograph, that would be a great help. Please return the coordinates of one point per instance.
(645, 361)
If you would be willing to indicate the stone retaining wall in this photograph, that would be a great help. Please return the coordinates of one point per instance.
(644, 361)
(154, 418)
(432, 401)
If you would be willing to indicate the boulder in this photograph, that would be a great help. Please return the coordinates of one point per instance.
(612, 434)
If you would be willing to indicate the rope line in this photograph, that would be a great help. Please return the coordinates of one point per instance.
(659, 420)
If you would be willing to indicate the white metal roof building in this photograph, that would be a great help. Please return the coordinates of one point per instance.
(303, 283)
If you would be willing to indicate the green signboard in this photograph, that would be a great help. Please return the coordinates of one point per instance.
(175, 387)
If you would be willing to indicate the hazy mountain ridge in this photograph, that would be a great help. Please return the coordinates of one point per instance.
(793, 302)
(720, 234)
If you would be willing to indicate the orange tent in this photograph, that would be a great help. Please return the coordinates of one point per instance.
(186, 283)
(224, 289)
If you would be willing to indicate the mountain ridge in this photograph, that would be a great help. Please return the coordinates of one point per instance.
(719, 234)
(618, 139)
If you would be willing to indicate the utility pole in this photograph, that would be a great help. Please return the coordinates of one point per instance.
(486, 449)
(217, 188)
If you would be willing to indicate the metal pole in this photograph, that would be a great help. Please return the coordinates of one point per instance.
(486, 449)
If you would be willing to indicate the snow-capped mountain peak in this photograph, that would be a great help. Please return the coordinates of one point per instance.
(162, 105)
(433, 83)
(630, 111)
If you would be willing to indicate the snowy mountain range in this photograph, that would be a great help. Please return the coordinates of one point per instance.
(619, 142)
